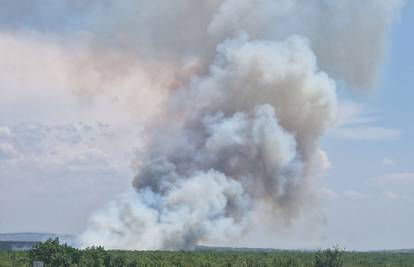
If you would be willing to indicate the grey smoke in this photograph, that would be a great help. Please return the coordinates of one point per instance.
(244, 90)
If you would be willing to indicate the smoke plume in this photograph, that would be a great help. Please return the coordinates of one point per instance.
(245, 90)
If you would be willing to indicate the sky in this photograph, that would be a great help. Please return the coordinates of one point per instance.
(65, 152)
(371, 180)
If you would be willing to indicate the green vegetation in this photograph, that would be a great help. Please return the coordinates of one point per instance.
(54, 254)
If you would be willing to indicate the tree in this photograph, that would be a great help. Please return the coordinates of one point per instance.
(133, 263)
(94, 257)
(329, 258)
(118, 261)
(52, 253)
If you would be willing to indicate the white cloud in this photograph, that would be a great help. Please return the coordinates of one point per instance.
(388, 162)
(395, 196)
(329, 193)
(77, 158)
(367, 133)
(7, 151)
(395, 186)
(350, 113)
(73, 146)
(72, 167)
(325, 162)
(391, 195)
(355, 122)
(396, 178)
(5, 132)
(355, 195)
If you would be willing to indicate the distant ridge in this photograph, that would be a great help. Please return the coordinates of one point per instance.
(25, 241)
(35, 237)
(245, 249)
(16, 245)
(408, 250)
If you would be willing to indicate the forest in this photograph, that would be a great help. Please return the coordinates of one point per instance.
(54, 254)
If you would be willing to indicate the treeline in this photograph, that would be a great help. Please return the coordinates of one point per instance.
(54, 254)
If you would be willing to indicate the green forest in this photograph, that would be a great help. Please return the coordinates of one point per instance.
(54, 254)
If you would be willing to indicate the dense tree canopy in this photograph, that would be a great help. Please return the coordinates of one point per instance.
(54, 254)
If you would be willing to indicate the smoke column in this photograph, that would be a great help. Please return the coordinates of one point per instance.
(246, 89)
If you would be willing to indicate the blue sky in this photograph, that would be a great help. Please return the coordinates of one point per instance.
(378, 214)
(367, 193)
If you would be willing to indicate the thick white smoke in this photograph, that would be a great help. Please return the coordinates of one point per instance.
(244, 106)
